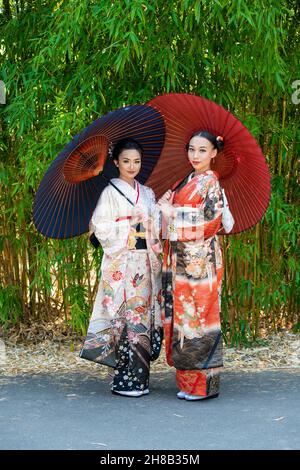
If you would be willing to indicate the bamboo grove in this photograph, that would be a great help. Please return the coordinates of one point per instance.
(66, 63)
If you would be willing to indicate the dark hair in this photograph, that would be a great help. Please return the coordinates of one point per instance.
(126, 144)
(217, 141)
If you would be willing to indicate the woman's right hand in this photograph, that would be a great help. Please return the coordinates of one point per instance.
(166, 198)
(137, 215)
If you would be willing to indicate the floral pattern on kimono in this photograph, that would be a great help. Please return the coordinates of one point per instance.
(127, 305)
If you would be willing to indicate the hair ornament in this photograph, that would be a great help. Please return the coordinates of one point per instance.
(110, 150)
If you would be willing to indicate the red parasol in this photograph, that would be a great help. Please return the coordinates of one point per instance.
(241, 164)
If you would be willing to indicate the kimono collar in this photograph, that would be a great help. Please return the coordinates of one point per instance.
(132, 193)
(192, 175)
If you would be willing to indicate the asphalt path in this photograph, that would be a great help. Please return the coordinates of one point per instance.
(255, 411)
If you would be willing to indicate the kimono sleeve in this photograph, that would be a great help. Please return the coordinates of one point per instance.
(155, 216)
(213, 208)
(113, 235)
(201, 221)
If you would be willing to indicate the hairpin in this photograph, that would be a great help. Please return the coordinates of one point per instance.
(110, 150)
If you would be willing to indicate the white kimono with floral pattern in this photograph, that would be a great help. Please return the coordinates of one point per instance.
(111, 226)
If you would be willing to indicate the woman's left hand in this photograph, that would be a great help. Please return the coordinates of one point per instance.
(147, 223)
(167, 209)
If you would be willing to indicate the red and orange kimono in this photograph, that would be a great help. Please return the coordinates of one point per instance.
(192, 277)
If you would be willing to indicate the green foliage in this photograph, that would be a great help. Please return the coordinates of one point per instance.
(10, 304)
(67, 62)
(75, 296)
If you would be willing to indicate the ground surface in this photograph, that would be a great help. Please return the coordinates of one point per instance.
(50, 398)
(255, 410)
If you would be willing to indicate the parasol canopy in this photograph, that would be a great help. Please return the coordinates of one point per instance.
(241, 165)
(71, 187)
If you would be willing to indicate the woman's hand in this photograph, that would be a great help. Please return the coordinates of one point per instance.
(165, 204)
(167, 209)
(166, 198)
(137, 215)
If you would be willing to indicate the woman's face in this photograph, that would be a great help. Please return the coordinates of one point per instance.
(200, 153)
(129, 163)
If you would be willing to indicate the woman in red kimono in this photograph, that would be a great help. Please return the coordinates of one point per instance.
(192, 273)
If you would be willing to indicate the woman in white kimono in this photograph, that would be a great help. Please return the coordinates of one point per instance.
(125, 330)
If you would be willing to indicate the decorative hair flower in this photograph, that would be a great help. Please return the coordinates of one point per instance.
(110, 150)
(220, 137)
